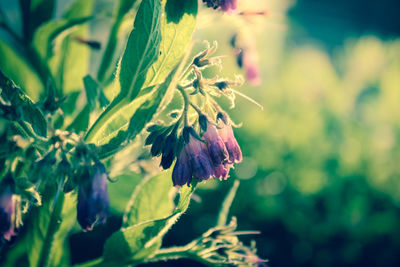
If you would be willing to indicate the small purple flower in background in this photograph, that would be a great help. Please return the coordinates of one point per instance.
(7, 207)
(232, 146)
(93, 201)
(228, 5)
(247, 59)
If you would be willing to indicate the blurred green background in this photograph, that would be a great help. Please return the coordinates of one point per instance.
(320, 176)
(321, 173)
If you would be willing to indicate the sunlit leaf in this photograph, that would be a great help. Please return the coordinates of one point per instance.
(45, 34)
(142, 48)
(177, 26)
(151, 200)
(121, 191)
(141, 240)
(16, 66)
(71, 62)
(109, 60)
(141, 111)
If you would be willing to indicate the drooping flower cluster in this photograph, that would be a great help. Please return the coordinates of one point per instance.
(7, 207)
(212, 156)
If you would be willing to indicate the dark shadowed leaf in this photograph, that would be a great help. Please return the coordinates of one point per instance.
(27, 111)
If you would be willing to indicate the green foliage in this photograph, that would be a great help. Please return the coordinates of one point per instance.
(177, 26)
(140, 240)
(24, 112)
(71, 62)
(55, 148)
(109, 61)
(110, 128)
(151, 200)
(141, 50)
(46, 33)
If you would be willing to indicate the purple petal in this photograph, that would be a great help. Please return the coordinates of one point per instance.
(215, 145)
(182, 173)
(232, 146)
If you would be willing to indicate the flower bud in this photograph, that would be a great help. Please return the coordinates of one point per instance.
(182, 173)
(168, 150)
(7, 207)
(93, 201)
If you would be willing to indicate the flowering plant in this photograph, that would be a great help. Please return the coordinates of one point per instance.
(60, 144)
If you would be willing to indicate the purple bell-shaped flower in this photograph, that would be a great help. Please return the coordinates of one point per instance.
(7, 207)
(93, 200)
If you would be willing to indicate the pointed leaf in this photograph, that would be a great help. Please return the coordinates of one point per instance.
(142, 48)
(177, 26)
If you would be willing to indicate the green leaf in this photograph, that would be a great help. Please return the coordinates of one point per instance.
(177, 26)
(94, 93)
(48, 227)
(45, 34)
(23, 106)
(226, 205)
(145, 109)
(59, 249)
(16, 66)
(71, 63)
(109, 61)
(139, 241)
(151, 200)
(121, 191)
(141, 50)
(116, 118)
(81, 121)
(110, 130)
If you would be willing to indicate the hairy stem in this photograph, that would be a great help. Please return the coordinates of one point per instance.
(186, 103)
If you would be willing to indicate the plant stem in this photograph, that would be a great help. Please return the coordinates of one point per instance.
(226, 205)
(54, 225)
(186, 103)
(175, 253)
